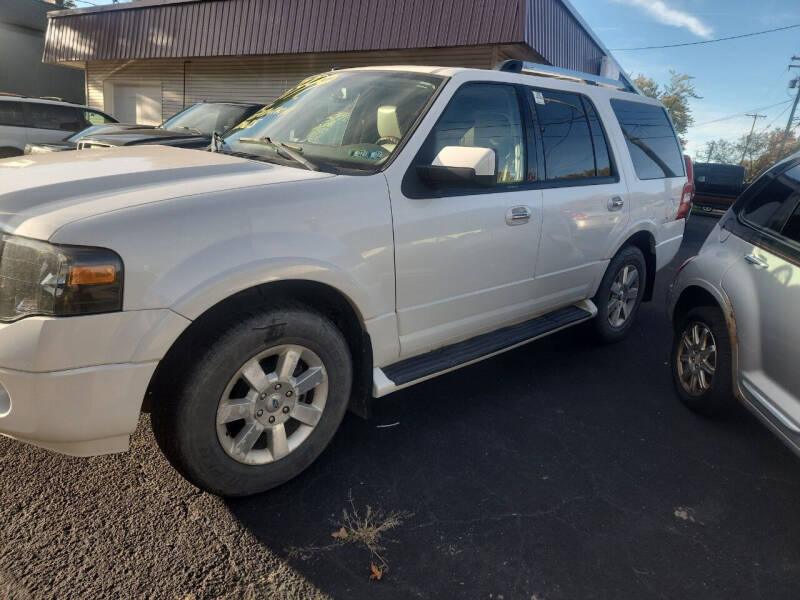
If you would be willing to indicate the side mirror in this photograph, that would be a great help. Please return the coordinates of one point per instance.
(460, 166)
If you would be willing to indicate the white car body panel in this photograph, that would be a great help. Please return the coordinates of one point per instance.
(194, 228)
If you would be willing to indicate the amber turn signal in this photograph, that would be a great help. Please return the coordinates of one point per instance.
(92, 275)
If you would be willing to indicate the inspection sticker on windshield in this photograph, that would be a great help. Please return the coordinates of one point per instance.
(538, 97)
(368, 154)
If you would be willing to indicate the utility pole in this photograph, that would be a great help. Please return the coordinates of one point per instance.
(793, 83)
(710, 151)
(750, 135)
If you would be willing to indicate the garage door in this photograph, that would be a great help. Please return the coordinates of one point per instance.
(137, 103)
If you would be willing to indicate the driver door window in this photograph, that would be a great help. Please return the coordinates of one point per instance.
(483, 116)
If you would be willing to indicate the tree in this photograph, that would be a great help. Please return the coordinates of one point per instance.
(762, 151)
(674, 96)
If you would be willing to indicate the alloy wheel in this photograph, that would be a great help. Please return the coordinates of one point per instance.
(272, 404)
(697, 358)
(623, 296)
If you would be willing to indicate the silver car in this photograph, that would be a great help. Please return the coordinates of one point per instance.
(735, 308)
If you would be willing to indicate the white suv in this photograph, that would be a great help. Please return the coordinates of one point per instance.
(370, 229)
(39, 120)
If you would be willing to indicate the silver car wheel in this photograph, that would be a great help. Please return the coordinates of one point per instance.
(623, 296)
(272, 404)
(697, 359)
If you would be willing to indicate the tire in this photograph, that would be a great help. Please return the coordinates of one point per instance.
(7, 152)
(717, 398)
(607, 300)
(215, 386)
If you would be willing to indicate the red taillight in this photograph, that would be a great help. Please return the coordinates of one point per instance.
(687, 195)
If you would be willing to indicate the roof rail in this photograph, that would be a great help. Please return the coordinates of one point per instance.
(531, 68)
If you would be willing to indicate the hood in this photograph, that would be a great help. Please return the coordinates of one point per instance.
(138, 136)
(41, 193)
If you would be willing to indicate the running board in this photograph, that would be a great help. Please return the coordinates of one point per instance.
(425, 366)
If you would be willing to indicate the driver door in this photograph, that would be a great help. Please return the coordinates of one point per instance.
(465, 254)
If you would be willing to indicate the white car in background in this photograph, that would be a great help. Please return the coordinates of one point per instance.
(736, 308)
(370, 229)
(38, 120)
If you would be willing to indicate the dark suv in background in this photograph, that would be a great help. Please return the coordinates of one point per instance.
(190, 128)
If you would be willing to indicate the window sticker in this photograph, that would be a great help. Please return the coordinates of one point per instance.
(538, 97)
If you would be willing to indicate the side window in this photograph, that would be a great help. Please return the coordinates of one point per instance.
(485, 116)
(54, 116)
(566, 135)
(791, 230)
(12, 114)
(602, 157)
(91, 117)
(651, 140)
(775, 203)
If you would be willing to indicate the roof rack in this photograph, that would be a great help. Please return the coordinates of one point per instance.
(531, 68)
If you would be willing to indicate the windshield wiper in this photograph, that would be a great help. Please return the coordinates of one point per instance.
(282, 149)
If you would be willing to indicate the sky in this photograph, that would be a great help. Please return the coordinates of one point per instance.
(733, 77)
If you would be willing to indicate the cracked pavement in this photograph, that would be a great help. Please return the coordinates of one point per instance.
(562, 469)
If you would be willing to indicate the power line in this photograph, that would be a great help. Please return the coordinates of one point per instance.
(740, 114)
(730, 37)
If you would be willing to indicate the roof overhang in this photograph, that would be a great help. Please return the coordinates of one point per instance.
(148, 29)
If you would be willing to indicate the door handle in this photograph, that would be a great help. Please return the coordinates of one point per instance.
(758, 263)
(518, 215)
(615, 203)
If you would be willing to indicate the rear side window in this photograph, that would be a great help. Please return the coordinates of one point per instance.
(774, 206)
(651, 140)
(92, 117)
(572, 137)
(12, 114)
(54, 116)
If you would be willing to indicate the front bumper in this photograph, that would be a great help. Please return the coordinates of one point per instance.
(82, 412)
(75, 385)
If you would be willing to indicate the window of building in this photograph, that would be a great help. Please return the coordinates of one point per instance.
(484, 116)
(652, 143)
(12, 114)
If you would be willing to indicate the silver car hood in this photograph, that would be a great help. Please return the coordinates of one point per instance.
(41, 193)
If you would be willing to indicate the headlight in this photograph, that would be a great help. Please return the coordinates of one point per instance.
(37, 278)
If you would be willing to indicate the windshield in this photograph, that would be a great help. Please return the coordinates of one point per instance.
(351, 120)
(207, 118)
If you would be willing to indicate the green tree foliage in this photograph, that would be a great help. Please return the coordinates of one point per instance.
(675, 96)
(760, 153)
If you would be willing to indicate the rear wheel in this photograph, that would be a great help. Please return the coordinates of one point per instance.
(619, 295)
(9, 152)
(259, 404)
(701, 361)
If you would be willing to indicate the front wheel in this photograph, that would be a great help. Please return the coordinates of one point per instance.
(702, 361)
(259, 403)
(619, 295)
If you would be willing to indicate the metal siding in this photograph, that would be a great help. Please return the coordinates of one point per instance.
(227, 28)
(555, 34)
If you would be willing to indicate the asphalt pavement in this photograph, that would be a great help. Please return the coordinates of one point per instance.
(563, 469)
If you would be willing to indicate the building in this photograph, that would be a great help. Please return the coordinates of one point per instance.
(22, 31)
(148, 59)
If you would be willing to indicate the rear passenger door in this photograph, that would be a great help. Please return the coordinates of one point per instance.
(763, 284)
(52, 122)
(585, 208)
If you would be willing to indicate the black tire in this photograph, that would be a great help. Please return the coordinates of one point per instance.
(184, 421)
(631, 257)
(9, 152)
(718, 398)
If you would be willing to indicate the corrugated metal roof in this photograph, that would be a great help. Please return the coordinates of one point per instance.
(195, 28)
